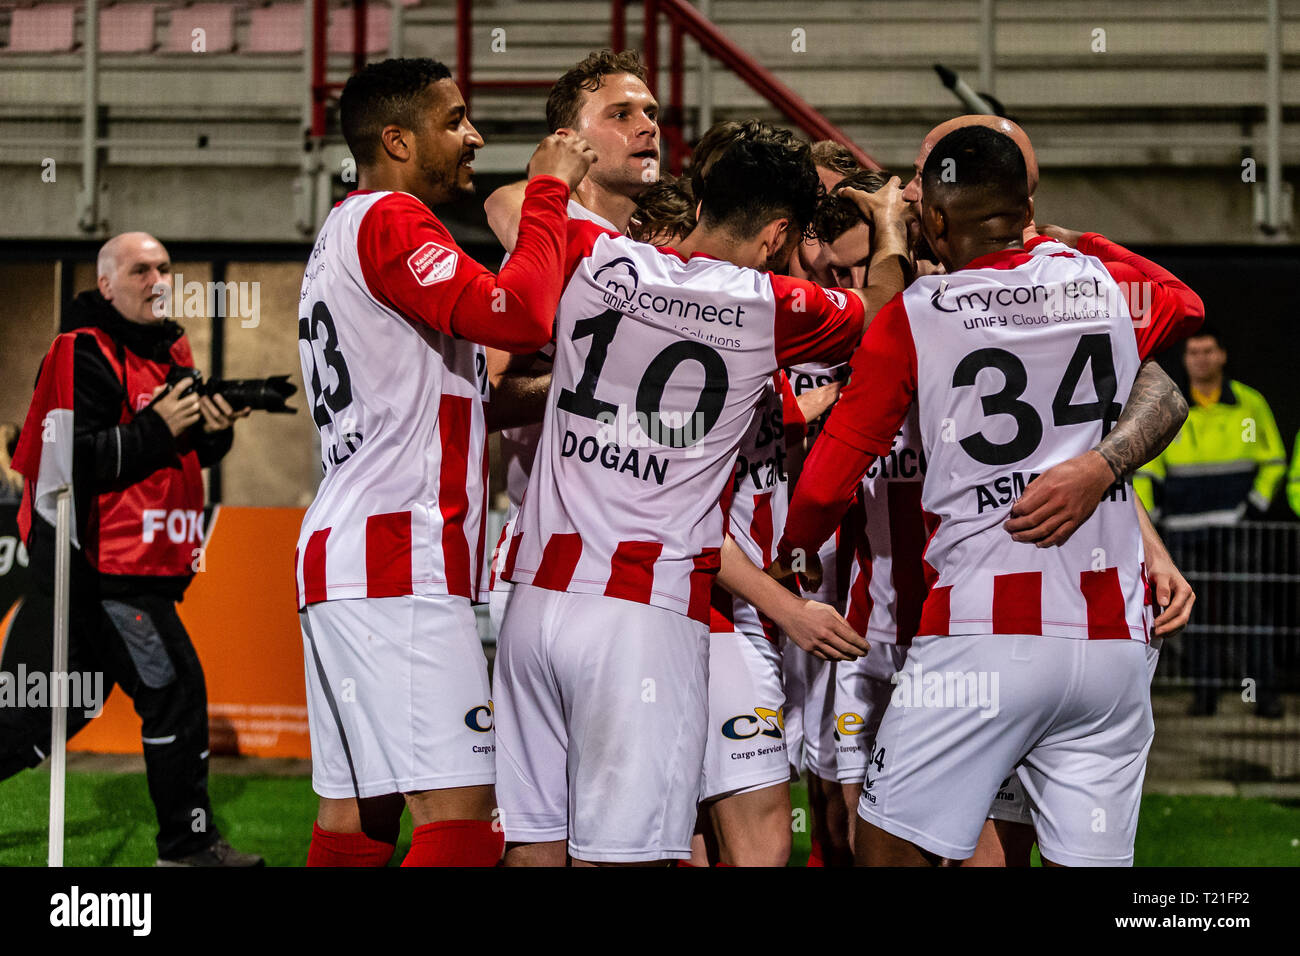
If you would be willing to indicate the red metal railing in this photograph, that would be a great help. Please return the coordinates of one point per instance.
(683, 19)
(322, 91)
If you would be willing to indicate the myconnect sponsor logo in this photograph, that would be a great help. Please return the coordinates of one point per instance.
(621, 284)
(1089, 296)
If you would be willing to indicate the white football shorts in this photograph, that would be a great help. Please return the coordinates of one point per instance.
(1011, 804)
(746, 748)
(397, 696)
(1071, 717)
(862, 691)
(794, 685)
(601, 725)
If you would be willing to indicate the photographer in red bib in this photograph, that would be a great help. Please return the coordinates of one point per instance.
(104, 420)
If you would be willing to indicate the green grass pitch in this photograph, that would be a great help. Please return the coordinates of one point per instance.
(110, 822)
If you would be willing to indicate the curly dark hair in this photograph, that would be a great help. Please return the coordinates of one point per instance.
(382, 94)
(565, 99)
(665, 210)
(761, 173)
(721, 135)
(838, 214)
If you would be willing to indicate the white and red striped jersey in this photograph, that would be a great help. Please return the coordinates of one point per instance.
(398, 397)
(1016, 362)
(659, 364)
(887, 582)
(756, 507)
(519, 445)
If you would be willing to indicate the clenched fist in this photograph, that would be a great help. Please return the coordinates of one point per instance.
(564, 155)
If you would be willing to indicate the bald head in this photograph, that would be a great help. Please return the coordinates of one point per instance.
(975, 196)
(134, 272)
(912, 193)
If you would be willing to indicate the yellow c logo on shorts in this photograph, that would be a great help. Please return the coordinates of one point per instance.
(743, 726)
(849, 723)
(473, 719)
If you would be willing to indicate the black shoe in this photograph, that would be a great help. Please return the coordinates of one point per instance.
(219, 853)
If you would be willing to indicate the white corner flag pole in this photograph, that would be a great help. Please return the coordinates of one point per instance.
(58, 679)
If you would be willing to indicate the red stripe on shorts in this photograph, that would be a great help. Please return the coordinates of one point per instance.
(313, 567)
(559, 559)
(632, 570)
(388, 554)
(1105, 600)
(454, 415)
(1018, 603)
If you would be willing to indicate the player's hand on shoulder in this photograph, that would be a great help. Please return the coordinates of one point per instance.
(563, 154)
(821, 631)
(1059, 500)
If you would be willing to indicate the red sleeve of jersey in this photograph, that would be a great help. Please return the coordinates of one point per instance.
(411, 264)
(582, 236)
(814, 324)
(861, 427)
(1165, 311)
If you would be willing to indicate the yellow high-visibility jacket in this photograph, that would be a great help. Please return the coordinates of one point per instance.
(1226, 457)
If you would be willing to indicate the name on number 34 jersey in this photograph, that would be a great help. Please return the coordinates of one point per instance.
(1016, 363)
(659, 366)
(398, 402)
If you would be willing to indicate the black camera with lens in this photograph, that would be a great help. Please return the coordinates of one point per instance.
(260, 394)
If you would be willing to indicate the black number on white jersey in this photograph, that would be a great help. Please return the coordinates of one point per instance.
(326, 400)
(1093, 351)
(582, 400)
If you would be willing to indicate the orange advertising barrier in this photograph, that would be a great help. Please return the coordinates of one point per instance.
(241, 611)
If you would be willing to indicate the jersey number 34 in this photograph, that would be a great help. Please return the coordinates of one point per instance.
(1092, 351)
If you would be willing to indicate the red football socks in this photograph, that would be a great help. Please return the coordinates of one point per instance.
(455, 843)
(815, 855)
(346, 849)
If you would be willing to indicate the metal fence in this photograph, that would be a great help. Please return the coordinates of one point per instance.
(1227, 691)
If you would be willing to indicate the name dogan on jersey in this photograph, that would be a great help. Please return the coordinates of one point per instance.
(614, 457)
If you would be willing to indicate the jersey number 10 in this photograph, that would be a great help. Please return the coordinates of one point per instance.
(582, 400)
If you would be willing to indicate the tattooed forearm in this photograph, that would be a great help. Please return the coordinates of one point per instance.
(1155, 410)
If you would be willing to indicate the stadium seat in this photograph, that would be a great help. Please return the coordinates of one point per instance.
(49, 28)
(217, 20)
(276, 29)
(127, 28)
(339, 35)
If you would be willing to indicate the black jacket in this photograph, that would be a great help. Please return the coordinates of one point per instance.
(108, 456)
